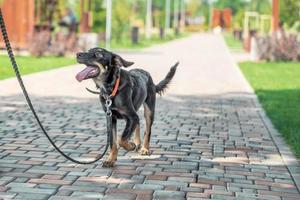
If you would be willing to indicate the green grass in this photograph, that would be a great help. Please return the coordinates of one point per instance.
(278, 88)
(233, 44)
(28, 64)
(143, 42)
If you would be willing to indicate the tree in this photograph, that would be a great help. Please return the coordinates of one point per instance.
(121, 18)
(261, 6)
(289, 11)
(234, 5)
(193, 7)
(99, 16)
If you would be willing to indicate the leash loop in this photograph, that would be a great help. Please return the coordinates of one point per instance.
(20, 80)
(108, 103)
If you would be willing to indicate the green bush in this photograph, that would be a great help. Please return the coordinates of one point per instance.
(296, 26)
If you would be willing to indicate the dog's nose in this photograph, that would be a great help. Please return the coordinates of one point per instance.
(78, 55)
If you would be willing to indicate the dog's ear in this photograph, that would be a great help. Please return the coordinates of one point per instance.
(119, 61)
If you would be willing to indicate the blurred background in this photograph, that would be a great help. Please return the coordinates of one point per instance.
(62, 27)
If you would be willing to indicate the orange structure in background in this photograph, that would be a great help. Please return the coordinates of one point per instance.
(221, 18)
(22, 16)
(275, 15)
(19, 19)
(86, 16)
(227, 15)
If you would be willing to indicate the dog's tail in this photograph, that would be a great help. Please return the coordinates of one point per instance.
(163, 85)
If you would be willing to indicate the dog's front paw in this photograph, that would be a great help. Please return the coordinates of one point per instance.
(144, 152)
(108, 163)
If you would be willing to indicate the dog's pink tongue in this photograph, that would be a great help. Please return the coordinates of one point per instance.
(84, 73)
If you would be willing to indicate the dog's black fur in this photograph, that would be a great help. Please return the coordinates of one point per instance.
(136, 88)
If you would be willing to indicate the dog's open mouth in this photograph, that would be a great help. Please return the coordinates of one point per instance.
(88, 72)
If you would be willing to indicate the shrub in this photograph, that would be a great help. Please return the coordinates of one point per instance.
(284, 48)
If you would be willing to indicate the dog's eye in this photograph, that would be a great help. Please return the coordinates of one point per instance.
(98, 55)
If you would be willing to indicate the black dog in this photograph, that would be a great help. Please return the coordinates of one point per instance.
(136, 87)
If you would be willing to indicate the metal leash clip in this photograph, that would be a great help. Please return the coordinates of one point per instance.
(108, 103)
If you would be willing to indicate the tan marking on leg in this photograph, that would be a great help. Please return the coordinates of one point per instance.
(129, 146)
(137, 137)
(112, 158)
(145, 149)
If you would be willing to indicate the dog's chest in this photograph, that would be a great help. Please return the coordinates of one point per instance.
(99, 81)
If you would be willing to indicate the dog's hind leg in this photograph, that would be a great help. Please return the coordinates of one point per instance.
(149, 110)
(132, 122)
(112, 158)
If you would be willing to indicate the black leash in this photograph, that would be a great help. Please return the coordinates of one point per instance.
(17, 72)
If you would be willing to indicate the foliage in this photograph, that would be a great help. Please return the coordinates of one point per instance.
(138, 13)
(159, 13)
(296, 26)
(289, 11)
(238, 19)
(121, 19)
(99, 16)
(261, 6)
(205, 11)
(32, 64)
(239, 7)
(193, 7)
(277, 86)
(234, 5)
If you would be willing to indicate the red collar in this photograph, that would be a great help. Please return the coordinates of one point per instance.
(116, 87)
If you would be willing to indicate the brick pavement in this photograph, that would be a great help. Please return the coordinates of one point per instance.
(210, 141)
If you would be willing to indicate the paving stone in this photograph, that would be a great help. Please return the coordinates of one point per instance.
(120, 196)
(21, 185)
(166, 183)
(31, 196)
(7, 195)
(144, 197)
(83, 188)
(198, 195)
(87, 195)
(63, 193)
(50, 181)
(65, 198)
(163, 194)
(148, 186)
(32, 190)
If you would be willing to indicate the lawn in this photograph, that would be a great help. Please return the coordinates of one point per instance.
(278, 88)
(233, 44)
(28, 64)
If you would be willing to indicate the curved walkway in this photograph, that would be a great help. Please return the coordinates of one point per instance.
(211, 138)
